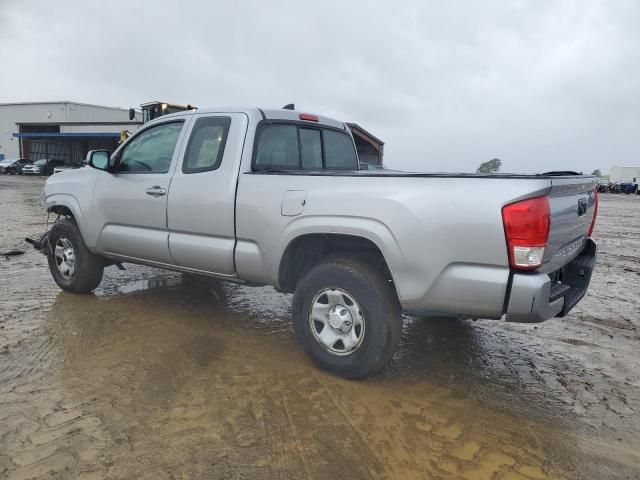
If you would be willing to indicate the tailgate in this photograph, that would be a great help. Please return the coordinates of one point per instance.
(572, 203)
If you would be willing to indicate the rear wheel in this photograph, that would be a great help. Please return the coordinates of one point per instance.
(347, 318)
(73, 267)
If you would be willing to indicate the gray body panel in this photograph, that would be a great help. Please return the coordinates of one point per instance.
(568, 225)
(445, 252)
(129, 221)
(201, 208)
(441, 235)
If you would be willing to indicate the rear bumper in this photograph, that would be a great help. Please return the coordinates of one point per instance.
(538, 297)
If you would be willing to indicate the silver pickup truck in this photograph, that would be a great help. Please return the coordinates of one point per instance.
(276, 197)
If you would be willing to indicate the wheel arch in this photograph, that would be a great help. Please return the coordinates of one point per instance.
(306, 250)
(63, 210)
(67, 205)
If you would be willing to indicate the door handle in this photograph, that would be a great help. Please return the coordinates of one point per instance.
(156, 191)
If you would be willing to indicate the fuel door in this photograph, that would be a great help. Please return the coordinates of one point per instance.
(293, 203)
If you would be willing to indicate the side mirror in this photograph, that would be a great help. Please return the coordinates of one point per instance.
(99, 159)
(132, 114)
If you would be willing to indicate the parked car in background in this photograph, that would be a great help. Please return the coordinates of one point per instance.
(38, 167)
(15, 166)
(4, 164)
(42, 167)
(628, 187)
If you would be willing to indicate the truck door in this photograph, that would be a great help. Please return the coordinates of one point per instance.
(130, 205)
(201, 205)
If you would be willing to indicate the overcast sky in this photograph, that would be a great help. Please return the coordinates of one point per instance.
(541, 85)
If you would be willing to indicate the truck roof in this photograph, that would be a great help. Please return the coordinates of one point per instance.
(266, 114)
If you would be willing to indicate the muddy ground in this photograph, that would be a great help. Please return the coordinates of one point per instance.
(155, 377)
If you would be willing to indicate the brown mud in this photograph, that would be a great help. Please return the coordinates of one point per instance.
(157, 376)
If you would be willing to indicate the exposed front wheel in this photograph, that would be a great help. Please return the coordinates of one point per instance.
(73, 267)
(347, 318)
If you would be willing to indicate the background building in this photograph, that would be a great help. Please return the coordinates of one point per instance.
(68, 130)
(370, 149)
(627, 174)
(60, 130)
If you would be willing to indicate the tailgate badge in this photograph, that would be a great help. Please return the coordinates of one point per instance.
(582, 207)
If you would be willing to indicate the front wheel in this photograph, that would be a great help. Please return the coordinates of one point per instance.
(347, 318)
(73, 267)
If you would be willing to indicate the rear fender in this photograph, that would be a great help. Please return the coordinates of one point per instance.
(373, 230)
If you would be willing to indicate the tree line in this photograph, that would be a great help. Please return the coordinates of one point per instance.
(494, 165)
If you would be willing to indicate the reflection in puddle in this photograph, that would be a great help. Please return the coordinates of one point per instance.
(175, 368)
(205, 379)
(153, 282)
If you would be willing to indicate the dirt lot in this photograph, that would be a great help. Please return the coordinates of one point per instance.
(154, 377)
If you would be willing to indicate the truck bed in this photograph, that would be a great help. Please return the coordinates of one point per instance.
(442, 234)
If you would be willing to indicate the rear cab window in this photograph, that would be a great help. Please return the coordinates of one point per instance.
(294, 146)
(278, 147)
(339, 151)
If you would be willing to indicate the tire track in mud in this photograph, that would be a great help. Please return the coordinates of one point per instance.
(42, 436)
(315, 419)
(154, 379)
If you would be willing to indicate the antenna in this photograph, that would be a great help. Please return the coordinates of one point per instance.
(289, 106)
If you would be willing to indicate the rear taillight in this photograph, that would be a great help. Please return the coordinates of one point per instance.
(595, 212)
(526, 228)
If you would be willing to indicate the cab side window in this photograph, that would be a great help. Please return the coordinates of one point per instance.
(151, 151)
(282, 146)
(206, 144)
(278, 147)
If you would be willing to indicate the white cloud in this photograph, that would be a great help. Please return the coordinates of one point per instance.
(541, 85)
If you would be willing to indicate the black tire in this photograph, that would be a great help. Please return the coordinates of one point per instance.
(380, 309)
(88, 266)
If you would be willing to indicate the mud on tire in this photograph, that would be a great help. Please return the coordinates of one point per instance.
(66, 243)
(377, 302)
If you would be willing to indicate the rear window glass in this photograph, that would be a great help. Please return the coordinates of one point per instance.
(292, 147)
(339, 151)
(278, 147)
(310, 149)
